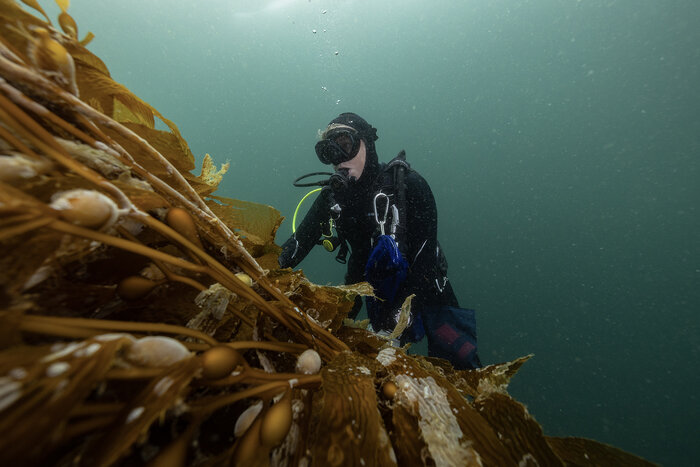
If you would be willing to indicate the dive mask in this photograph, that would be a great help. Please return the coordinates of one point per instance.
(338, 146)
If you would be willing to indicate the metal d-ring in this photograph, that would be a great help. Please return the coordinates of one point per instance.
(376, 213)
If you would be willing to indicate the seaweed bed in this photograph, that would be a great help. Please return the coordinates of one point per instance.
(145, 320)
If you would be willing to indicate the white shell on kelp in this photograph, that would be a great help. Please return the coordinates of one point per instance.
(156, 352)
(309, 362)
(246, 418)
(87, 208)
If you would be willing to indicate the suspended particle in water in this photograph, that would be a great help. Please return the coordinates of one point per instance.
(324, 12)
(313, 31)
(336, 52)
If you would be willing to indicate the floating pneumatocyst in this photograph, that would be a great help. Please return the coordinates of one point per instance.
(135, 287)
(181, 221)
(249, 450)
(87, 208)
(219, 361)
(277, 421)
(389, 390)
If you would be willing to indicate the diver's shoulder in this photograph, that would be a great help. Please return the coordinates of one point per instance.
(413, 177)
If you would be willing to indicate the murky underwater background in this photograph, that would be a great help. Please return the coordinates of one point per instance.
(561, 139)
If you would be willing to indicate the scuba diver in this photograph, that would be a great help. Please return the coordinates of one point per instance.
(385, 215)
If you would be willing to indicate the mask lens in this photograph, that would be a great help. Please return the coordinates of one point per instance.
(329, 153)
(346, 143)
(338, 147)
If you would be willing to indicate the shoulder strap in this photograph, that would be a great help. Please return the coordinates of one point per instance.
(391, 174)
(398, 166)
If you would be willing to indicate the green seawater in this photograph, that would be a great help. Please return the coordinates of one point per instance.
(561, 139)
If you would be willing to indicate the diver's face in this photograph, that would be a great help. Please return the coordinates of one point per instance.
(355, 165)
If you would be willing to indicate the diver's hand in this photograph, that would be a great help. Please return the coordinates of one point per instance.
(288, 257)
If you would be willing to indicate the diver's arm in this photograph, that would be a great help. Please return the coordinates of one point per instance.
(295, 249)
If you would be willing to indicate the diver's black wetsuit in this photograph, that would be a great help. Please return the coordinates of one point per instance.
(356, 224)
(451, 330)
